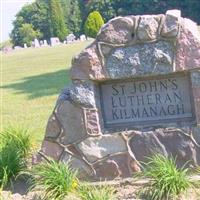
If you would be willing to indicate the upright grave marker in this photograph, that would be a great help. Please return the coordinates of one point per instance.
(135, 91)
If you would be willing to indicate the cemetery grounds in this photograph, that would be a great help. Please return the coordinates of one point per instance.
(31, 81)
(30, 84)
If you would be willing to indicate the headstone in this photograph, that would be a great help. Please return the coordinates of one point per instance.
(82, 37)
(54, 41)
(45, 43)
(25, 45)
(70, 38)
(6, 49)
(36, 43)
(135, 92)
(17, 47)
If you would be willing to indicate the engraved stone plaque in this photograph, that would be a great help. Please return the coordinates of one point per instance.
(147, 101)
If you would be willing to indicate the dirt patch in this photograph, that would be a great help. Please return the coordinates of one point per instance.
(126, 189)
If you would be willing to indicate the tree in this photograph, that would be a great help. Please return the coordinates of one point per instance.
(58, 27)
(15, 36)
(113, 8)
(28, 34)
(59, 17)
(35, 14)
(6, 44)
(93, 24)
(40, 18)
(105, 7)
(73, 15)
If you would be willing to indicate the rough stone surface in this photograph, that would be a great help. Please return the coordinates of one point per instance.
(72, 121)
(83, 94)
(119, 30)
(147, 28)
(145, 145)
(53, 128)
(195, 78)
(64, 96)
(87, 65)
(172, 142)
(179, 146)
(51, 149)
(113, 167)
(73, 150)
(107, 170)
(188, 46)
(92, 122)
(171, 25)
(99, 147)
(105, 48)
(37, 158)
(84, 170)
(196, 135)
(196, 95)
(155, 58)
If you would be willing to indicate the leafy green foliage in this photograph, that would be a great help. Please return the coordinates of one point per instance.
(4, 180)
(66, 16)
(5, 44)
(37, 15)
(93, 24)
(106, 8)
(96, 192)
(166, 181)
(15, 146)
(113, 8)
(73, 16)
(15, 36)
(28, 34)
(75, 13)
(55, 179)
(58, 27)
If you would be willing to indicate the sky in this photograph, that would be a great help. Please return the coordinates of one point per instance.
(8, 10)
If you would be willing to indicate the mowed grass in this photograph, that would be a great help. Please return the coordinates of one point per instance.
(31, 82)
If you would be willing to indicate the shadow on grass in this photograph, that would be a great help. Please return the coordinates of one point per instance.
(41, 85)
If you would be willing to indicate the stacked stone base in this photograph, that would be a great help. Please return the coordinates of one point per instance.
(115, 155)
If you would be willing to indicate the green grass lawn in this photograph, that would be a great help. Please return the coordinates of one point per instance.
(31, 82)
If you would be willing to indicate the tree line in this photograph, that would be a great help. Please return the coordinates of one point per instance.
(43, 19)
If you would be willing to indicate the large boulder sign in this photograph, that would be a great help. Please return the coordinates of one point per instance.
(135, 92)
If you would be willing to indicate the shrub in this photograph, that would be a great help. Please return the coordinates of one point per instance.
(28, 34)
(166, 181)
(58, 27)
(15, 146)
(54, 179)
(93, 24)
(96, 193)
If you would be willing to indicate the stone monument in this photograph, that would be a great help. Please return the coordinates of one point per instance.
(25, 46)
(70, 38)
(45, 43)
(54, 41)
(82, 37)
(135, 92)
